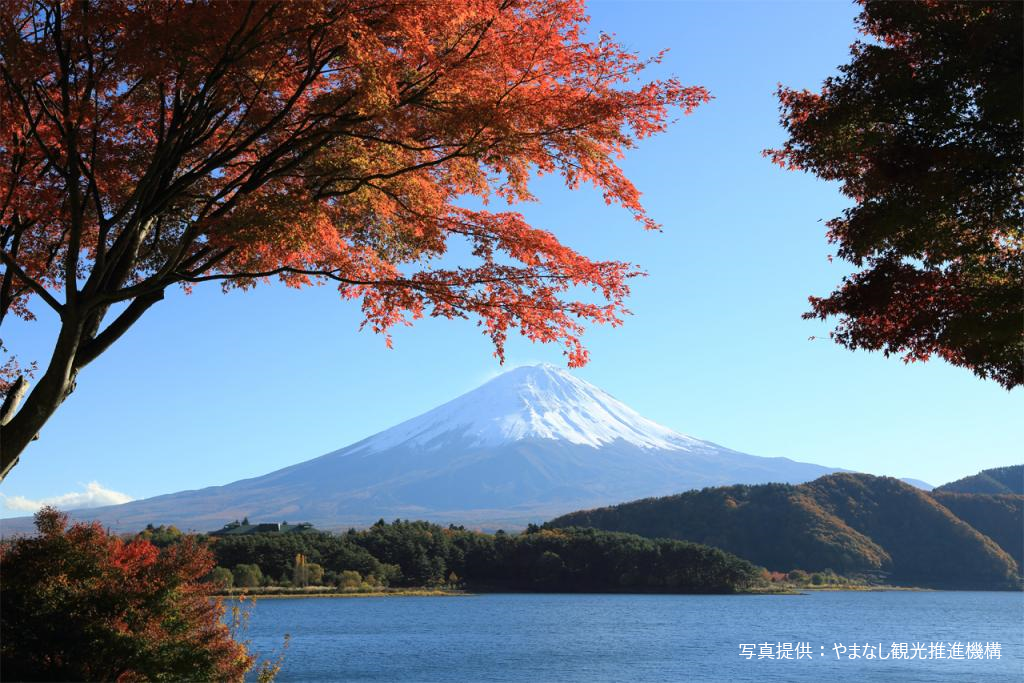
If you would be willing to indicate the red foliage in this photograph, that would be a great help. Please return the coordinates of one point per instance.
(923, 130)
(148, 144)
(79, 604)
(228, 140)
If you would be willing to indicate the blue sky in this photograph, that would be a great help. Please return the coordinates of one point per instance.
(211, 388)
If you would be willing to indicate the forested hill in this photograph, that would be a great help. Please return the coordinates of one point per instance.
(998, 516)
(425, 554)
(996, 480)
(992, 501)
(850, 523)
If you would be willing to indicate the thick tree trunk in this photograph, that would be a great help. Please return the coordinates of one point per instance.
(13, 399)
(79, 343)
(44, 399)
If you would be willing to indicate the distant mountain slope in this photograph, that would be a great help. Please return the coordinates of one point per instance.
(852, 523)
(530, 444)
(998, 516)
(996, 480)
(774, 525)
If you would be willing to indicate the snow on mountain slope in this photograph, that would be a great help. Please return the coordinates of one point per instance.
(540, 401)
(529, 445)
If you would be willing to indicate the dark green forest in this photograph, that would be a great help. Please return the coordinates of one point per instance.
(867, 528)
(996, 480)
(853, 524)
(998, 516)
(417, 554)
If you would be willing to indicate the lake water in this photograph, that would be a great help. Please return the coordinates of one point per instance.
(529, 638)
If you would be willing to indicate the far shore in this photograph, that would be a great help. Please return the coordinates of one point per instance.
(271, 592)
(802, 590)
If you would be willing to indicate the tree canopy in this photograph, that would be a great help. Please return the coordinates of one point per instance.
(416, 553)
(81, 605)
(923, 130)
(151, 144)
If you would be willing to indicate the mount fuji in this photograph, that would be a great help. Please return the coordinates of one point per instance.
(526, 446)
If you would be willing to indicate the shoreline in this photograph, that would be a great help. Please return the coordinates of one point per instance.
(272, 593)
(261, 594)
(804, 590)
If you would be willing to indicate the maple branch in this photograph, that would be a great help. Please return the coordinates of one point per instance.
(35, 286)
(333, 275)
(70, 135)
(138, 160)
(8, 293)
(33, 129)
(254, 275)
(128, 317)
(186, 133)
(12, 399)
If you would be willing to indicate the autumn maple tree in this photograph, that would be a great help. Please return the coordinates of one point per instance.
(923, 129)
(150, 144)
(82, 605)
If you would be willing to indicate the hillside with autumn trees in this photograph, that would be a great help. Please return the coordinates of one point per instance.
(854, 524)
(997, 480)
(998, 516)
(845, 526)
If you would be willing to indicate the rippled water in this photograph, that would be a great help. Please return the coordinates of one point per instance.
(594, 638)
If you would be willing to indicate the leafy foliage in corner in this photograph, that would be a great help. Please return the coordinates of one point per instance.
(81, 605)
(149, 145)
(923, 130)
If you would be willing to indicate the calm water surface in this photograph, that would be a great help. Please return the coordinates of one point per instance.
(595, 638)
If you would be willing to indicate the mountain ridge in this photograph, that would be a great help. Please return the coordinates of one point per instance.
(526, 446)
(1009, 479)
(851, 523)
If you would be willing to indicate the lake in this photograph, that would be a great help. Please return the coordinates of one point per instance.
(531, 638)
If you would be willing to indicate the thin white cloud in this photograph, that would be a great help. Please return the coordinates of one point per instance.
(93, 496)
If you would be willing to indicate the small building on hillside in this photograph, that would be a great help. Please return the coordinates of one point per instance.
(243, 528)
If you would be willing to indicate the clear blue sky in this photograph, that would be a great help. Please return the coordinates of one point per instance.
(212, 388)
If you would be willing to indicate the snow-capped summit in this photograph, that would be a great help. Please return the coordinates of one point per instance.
(529, 445)
(532, 401)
